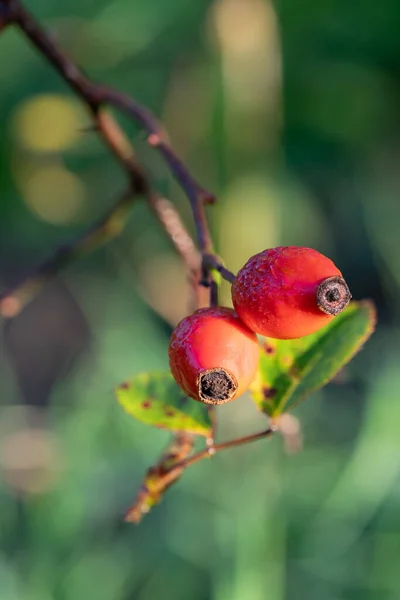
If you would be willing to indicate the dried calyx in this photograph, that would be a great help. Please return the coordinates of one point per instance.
(333, 295)
(217, 386)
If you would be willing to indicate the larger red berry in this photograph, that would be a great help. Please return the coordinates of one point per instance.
(289, 292)
(213, 355)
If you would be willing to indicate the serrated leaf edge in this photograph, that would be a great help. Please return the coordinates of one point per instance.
(280, 409)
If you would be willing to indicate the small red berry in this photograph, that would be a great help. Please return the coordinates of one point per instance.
(213, 356)
(289, 292)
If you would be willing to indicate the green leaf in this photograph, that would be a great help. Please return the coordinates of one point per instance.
(290, 370)
(155, 399)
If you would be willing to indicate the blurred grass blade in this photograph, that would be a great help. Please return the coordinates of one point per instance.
(155, 399)
(361, 493)
(160, 477)
(290, 370)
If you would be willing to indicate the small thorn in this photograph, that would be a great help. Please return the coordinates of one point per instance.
(154, 140)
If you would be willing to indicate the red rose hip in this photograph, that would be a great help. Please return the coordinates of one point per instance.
(289, 292)
(213, 356)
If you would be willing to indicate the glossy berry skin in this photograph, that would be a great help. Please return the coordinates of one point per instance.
(213, 355)
(289, 292)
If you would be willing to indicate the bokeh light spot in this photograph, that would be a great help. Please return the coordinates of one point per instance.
(54, 194)
(48, 123)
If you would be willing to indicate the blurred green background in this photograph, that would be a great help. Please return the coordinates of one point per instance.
(290, 113)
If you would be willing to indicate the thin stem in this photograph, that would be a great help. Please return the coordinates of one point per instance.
(97, 97)
(202, 264)
(100, 232)
(158, 479)
(214, 293)
(211, 450)
(108, 226)
(210, 261)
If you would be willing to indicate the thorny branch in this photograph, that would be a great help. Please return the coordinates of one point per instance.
(208, 452)
(161, 476)
(202, 263)
(173, 463)
(97, 98)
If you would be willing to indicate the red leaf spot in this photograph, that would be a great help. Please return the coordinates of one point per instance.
(168, 412)
(124, 386)
(268, 349)
(146, 404)
(269, 393)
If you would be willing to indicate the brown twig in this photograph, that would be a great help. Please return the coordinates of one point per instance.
(210, 261)
(172, 465)
(160, 476)
(165, 211)
(211, 450)
(96, 97)
(108, 226)
(101, 231)
(203, 264)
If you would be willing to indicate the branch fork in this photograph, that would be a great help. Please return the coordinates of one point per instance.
(203, 265)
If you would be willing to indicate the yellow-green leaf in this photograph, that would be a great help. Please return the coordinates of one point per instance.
(290, 370)
(155, 399)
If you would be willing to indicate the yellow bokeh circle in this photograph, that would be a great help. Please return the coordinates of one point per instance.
(54, 194)
(48, 123)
